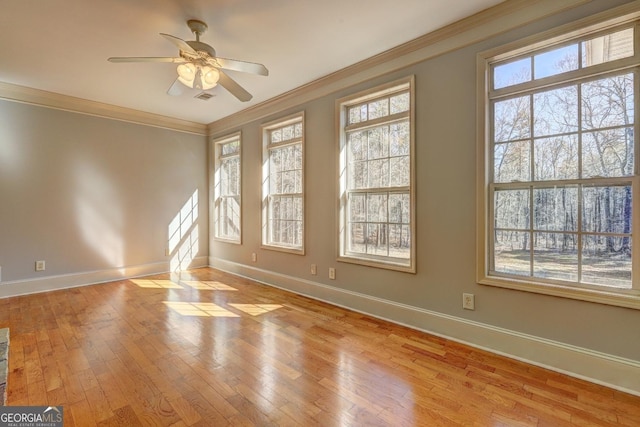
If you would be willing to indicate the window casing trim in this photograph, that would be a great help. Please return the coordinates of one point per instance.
(342, 129)
(214, 196)
(606, 22)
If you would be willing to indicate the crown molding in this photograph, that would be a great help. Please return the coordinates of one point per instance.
(481, 26)
(57, 101)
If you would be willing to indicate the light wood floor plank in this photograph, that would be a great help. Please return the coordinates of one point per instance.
(207, 348)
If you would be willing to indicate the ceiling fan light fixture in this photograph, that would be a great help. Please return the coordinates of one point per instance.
(210, 77)
(186, 74)
(189, 72)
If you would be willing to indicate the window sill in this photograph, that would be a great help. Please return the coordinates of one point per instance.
(623, 298)
(287, 249)
(405, 268)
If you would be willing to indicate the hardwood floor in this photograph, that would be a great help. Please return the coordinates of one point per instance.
(211, 349)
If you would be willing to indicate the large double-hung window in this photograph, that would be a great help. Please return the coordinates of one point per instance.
(559, 165)
(377, 205)
(227, 200)
(283, 184)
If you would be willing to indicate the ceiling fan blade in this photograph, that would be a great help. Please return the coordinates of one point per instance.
(146, 59)
(245, 67)
(236, 90)
(180, 44)
(175, 89)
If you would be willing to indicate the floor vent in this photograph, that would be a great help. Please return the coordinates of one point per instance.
(204, 96)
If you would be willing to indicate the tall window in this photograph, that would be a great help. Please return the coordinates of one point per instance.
(560, 201)
(283, 184)
(376, 177)
(227, 190)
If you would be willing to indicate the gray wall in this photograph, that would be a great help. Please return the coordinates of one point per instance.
(89, 194)
(446, 208)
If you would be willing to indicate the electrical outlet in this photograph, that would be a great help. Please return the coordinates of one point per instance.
(314, 269)
(468, 301)
(254, 257)
(332, 273)
(40, 265)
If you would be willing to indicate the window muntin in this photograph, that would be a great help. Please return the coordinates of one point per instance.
(283, 186)
(376, 210)
(563, 150)
(227, 189)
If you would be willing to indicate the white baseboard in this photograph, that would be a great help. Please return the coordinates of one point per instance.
(600, 368)
(64, 281)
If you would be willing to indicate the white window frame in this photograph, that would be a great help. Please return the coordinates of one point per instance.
(342, 128)
(593, 26)
(218, 197)
(267, 197)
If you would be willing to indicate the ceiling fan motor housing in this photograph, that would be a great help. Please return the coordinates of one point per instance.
(202, 47)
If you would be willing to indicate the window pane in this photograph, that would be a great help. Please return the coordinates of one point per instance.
(378, 173)
(555, 209)
(608, 102)
(378, 140)
(511, 253)
(399, 208)
(357, 238)
(399, 103)
(555, 111)
(607, 153)
(511, 209)
(357, 207)
(400, 173)
(400, 241)
(555, 61)
(556, 158)
(379, 108)
(357, 146)
(377, 239)
(555, 256)
(230, 148)
(287, 133)
(399, 139)
(512, 119)
(229, 217)
(358, 176)
(607, 48)
(606, 261)
(376, 207)
(276, 135)
(511, 162)
(512, 73)
(607, 210)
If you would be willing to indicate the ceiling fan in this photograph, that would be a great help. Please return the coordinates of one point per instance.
(199, 67)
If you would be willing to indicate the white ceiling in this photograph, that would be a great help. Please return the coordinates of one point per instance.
(62, 46)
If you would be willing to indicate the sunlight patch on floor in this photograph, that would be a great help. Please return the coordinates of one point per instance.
(157, 284)
(200, 309)
(208, 285)
(256, 309)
